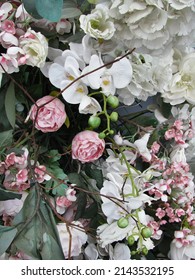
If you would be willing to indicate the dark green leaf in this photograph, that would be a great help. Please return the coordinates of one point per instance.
(50, 249)
(90, 211)
(7, 235)
(6, 195)
(82, 202)
(10, 101)
(6, 138)
(49, 9)
(95, 174)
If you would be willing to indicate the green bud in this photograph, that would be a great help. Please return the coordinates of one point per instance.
(131, 240)
(102, 135)
(123, 222)
(133, 253)
(94, 122)
(146, 232)
(114, 116)
(113, 101)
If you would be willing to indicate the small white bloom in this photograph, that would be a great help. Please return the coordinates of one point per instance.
(141, 145)
(98, 24)
(89, 105)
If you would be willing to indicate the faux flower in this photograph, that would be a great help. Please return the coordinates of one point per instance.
(182, 85)
(77, 237)
(63, 72)
(87, 146)
(89, 105)
(98, 24)
(35, 46)
(50, 117)
(12, 206)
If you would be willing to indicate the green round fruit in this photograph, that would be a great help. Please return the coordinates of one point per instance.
(144, 251)
(94, 122)
(113, 101)
(102, 135)
(146, 232)
(111, 132)
(114, 116)
(131, 240)
(123, 222)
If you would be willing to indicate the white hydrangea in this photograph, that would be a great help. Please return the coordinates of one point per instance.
(150, 24)
(182, 85)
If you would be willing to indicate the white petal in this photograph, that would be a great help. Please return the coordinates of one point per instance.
(56, 74)
(121, 252)
(121, 72)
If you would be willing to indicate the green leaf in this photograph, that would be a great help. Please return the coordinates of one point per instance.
(82, 202)
(50, 249)
(10, 101)
(6, 138)
(71, 12)
(95, 174)
(49, 9)
(31, 8)
(6, 195)
(37, 229)
(7, 235)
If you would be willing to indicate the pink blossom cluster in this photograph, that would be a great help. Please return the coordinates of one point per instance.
(180, 132)
(183, 237)
(18, 174)
(63, 202)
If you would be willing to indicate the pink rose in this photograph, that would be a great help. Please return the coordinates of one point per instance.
(87, 146)
(50, 117)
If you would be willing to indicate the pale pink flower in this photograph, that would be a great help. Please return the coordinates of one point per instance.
(87, 146)
(63, 26)
(63, 201)
(155, 147)
(22, 176)
(169, 134)
(10, 159)
(50, 117)
(41, 174)
(8, 26)
(160, 213)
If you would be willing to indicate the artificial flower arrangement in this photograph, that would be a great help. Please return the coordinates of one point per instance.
(97, 132)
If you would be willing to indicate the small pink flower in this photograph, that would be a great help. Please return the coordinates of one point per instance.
(8, 26)
(10, 159)
(22, 176)
(87, 146)
(2, 167)
(63, 201)
(155, 147)
(160, 213)
(51, 116)
(169, 134)
(41, 175)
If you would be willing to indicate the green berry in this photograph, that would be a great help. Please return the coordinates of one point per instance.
(123, 222)
(114, 116)
(146, 232)
(113, 101)
(111, 131)
(102, 135)
(144, 251)
(94, 122)
(131, 240)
